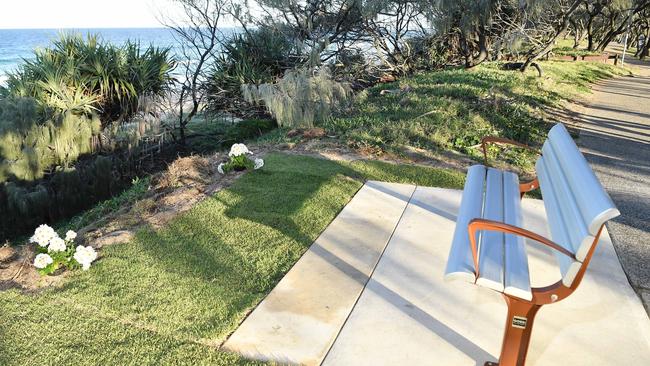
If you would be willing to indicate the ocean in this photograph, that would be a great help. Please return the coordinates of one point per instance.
(19, 44)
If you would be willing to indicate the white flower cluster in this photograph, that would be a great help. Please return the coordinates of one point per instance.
(238, 149)
(85, 256)
(42, 235)
(56, 245)
(43, 260)
(48, 239)
(239, 160)
(70, 235)
(259, 163)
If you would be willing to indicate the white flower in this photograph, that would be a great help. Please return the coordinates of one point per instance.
(238, 149)
(57, 245)
(42, 260)
(85, 256)
(259, 163)
(70, 235)
(220, 168)
(42, 235)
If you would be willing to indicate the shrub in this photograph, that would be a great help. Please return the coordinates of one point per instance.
(86, 74)
(60, 194)
(239, 160)
(300, 97)
(55, 252)
(31, 146)
(248, 129)
(51, 114)
(253, 57)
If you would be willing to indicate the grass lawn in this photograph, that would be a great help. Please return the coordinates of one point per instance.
(453, 109)
(172, 296)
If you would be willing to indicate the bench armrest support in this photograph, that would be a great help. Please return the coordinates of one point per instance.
(503, 141)
(483, 224)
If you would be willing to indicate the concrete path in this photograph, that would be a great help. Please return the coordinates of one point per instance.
(298, 321)
(405, 314)
(615, 139)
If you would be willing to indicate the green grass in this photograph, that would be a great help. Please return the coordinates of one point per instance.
(565, 47)
(577, 52)
(453, 109)
(211, 135)
(171, 296)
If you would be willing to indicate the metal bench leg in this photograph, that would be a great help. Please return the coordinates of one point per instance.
(519, 325)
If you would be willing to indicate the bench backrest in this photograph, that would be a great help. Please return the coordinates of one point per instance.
(575, 201)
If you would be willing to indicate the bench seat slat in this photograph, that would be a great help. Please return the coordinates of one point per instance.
(460, 264)
(568, 267)
(491, 251)
(517, 275)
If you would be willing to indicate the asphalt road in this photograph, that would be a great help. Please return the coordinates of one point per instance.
(615, 138)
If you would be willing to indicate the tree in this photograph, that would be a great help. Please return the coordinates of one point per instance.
(475, 24)
(389, 26)
(320, 28)
(199, 35)
(538, 25)
(637, 8)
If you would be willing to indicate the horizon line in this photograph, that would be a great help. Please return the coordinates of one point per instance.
(72, 28)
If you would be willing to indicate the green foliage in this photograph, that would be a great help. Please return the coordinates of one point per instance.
(247, 129)
(212, 135)
(138, 189)
(301, 97)
(237, 163)
(169, 295)
(82, 75)
(453, 109)
(64, 193)
(52, 109)
(30, 146)
(63, 259)
(253, 57)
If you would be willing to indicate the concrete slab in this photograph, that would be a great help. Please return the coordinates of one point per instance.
(298, 321)
(407, 314)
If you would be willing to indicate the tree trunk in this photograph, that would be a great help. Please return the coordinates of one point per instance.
(646, 46)
(483, 53)
(590, 34)
(182, 133)
(483, 47)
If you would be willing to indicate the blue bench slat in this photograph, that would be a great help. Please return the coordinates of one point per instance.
(491, 251)
(595, 204)
(517, 275)
(579, 235)
(460, 264)
(559, 233)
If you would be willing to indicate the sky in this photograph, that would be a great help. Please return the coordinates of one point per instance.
(20, 14)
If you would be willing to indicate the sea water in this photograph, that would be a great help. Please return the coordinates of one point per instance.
(19, 44)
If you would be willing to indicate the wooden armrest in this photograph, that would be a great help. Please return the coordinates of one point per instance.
(483, 224)
(503, 141)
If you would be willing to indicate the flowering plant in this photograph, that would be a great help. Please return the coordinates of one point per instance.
(55, 252)
(239, 160)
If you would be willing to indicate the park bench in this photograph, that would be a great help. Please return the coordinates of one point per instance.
(488, 243)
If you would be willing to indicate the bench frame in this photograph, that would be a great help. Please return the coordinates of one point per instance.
(521, 313)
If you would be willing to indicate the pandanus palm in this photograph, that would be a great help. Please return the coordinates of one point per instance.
(92, 75)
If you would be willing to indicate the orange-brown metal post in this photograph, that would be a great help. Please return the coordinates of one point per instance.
(516, 337)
